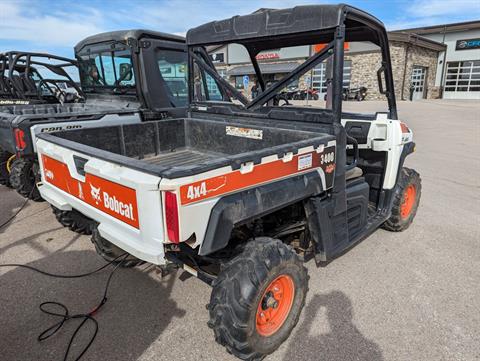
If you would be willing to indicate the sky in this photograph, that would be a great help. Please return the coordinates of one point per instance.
(56, 26)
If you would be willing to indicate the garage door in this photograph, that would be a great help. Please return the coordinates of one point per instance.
(462, 80)
(319, 79)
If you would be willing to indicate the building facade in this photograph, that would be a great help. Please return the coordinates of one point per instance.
(458, 69)
(427, 63)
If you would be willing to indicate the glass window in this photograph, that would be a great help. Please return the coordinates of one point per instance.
(319, 78)
(173, 68)
(239, 82)
(106, 69)
(462, 76)
(213, 89)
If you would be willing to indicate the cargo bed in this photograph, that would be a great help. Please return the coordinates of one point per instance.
(185, 146)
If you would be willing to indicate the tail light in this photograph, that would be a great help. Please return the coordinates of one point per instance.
(171, 217)
(20, 139)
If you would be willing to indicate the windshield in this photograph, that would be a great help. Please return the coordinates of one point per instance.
(106, 67)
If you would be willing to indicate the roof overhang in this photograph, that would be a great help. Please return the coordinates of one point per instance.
(417, 40)
(447, 28)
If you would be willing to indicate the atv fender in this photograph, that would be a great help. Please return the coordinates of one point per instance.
(254, 203)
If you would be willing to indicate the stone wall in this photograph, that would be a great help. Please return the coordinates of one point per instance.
(365, 66)
(427, 58)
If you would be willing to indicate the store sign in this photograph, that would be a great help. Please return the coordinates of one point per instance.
(263, 56)
(468, 44)
(217, 57)
(319, 47)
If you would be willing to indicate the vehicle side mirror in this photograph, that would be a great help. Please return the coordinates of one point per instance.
(125, 72)
(381, 80)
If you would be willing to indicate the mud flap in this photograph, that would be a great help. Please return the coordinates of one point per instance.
(320, 226)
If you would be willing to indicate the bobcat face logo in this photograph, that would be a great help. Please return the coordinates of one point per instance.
(49, 174)
(95, 192)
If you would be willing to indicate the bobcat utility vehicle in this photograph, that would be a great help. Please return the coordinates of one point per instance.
(239, 192)
(127, 77)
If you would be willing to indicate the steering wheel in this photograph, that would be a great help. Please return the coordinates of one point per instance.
(54, 88)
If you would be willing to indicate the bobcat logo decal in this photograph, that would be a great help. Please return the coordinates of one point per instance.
(95, 192)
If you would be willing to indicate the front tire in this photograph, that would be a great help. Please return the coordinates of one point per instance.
(257, 299)
(24, 176)
(74, 221)
(405, 201)
(109, 252)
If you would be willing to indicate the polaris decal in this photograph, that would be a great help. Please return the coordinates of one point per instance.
(112, 198)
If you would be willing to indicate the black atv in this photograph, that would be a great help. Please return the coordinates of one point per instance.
(357, 94)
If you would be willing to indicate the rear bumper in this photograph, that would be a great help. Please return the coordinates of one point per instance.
(142, 235)
(124, 236)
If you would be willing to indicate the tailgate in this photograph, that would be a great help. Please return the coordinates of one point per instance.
(125, 202)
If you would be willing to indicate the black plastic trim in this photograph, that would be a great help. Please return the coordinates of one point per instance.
(253, 203)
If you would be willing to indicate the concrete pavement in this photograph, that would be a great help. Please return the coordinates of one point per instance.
(413, 295)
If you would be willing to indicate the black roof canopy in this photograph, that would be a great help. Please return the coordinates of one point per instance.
(301, 25)
(123, 35)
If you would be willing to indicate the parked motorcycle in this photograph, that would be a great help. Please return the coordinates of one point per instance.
(357, 94)
(311, 94)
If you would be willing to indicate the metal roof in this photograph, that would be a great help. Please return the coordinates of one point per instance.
(452, 27)
(265, 68)
(122, 35)
(415, 39)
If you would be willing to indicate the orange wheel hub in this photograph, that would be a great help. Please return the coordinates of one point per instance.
(275, 305)
(408, 201)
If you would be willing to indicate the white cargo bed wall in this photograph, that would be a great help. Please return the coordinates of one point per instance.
(202, 191)
(139, 230)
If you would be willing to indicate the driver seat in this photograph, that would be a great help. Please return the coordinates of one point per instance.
(353, 173)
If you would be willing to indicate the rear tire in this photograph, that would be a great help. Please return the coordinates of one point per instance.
(257, 299)
(4, 173)
(405, 201)
(74, 221)
(108, 251)
(24, 176)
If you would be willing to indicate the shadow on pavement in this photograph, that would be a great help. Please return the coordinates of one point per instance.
(137, 311)
(342, 342)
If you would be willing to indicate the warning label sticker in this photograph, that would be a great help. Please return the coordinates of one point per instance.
(305, 161)
(244, 132)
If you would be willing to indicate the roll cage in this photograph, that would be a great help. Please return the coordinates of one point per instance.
(302, 25)
(17, 71)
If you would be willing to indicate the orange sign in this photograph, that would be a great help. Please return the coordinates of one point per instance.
(112, 198)
(319, 47)
(235, 181)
